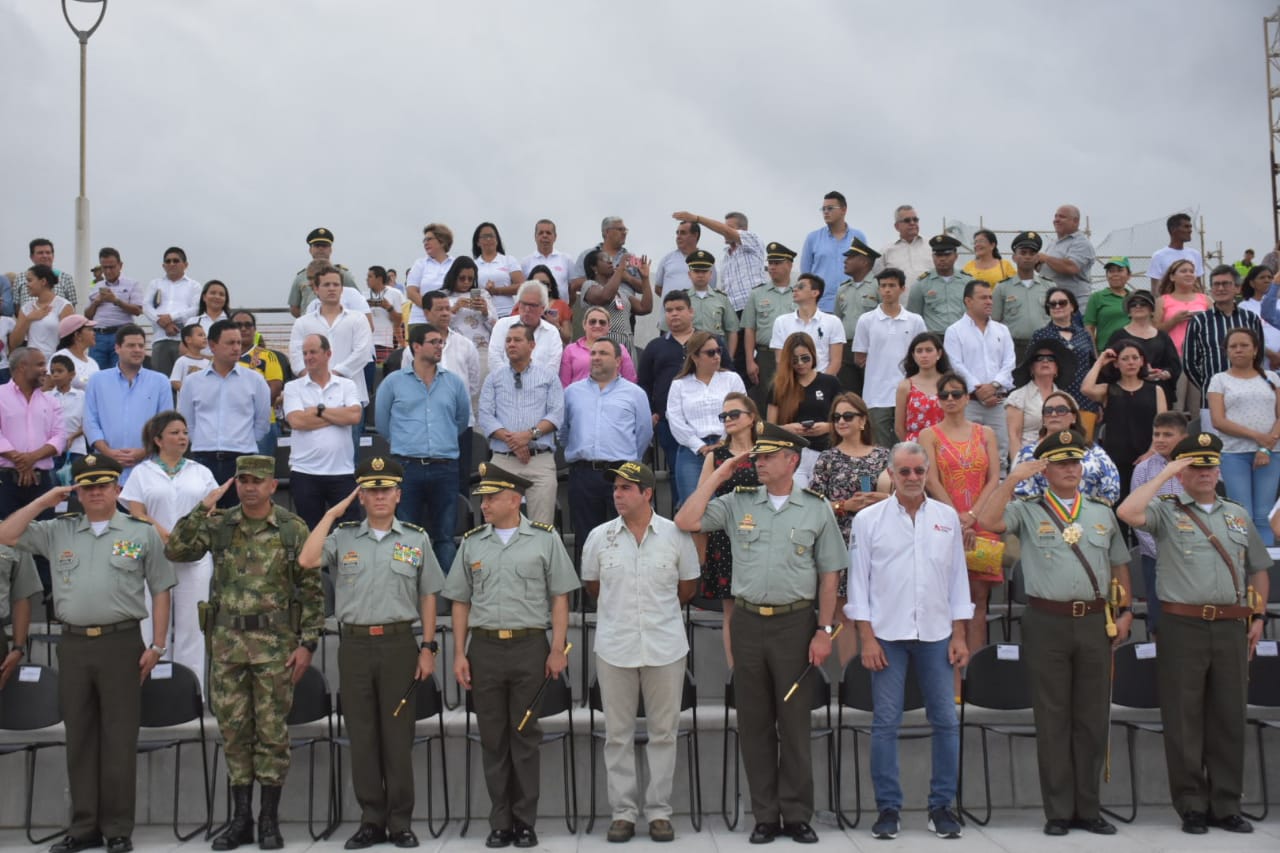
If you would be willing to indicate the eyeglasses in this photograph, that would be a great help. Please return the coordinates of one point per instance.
(731, 415)
(597, 322)
(801, 359)
(847, 417)
(918, 471)
(1045, 357)
(519, 380)
(1055, 410)
(1226, 283)
(1058, 303)
(433, 342)
(952, 395)
(711, 353)
(910, 220)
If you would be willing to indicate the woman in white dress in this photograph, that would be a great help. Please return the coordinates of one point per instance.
(162, 489)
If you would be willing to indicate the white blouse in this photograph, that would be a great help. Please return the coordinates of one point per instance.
(693, 407)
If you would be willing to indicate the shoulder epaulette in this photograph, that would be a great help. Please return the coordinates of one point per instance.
(809, 491)
(301, 271)
(1098, 500)
(541, 526)
(413, 526)
(747, 489)
(349, 524)
(341, 267)
(1231, 501)
(1167, 497)
(922, 276)
(474, 530)
(77, 514)
(1030, 498)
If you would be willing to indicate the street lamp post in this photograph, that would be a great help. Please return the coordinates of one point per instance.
(84, 279)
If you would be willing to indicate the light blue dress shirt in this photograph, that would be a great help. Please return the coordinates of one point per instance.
(228, 413)
(115, 409)
(504, 406)
(823, 255)
(609, 424)
(422, 420)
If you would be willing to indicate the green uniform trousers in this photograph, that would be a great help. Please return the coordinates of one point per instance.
(252, 703)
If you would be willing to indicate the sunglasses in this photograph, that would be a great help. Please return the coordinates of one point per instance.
(1058, 303)
(801, 359)
(711, 353)
(911, 220)
(597, 322)
(918, 471)
(1044, 357)
(731, 415)
(952, 395)
(847, 417)
(1056, 410)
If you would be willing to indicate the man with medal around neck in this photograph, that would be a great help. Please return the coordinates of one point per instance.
(1069, 627)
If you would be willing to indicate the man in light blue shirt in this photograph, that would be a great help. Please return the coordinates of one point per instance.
(420, 410)
(607, 421)
(118, 401)
(823, 251)
(227, 406)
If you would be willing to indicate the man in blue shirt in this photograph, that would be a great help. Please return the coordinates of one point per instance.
(118, 401)
(421, 409)
(824, 249)
(607, 421)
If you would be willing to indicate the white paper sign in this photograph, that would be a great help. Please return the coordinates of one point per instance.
(162, 671)
(1004, 652)
(1267, 649)
(29, 674)
(1144, 651)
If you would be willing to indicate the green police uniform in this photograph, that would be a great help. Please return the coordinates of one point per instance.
(778, 555)
(98, 572)
(1065, 634)
(713, 313)
(765, 304)
(853, 299)
(1202, 666)
(301, 294)
(18, 582)
(509, 586)
(940, 301)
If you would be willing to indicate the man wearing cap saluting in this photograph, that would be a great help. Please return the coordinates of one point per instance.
(265, 616)
(1075, 564)
(320, 245)
(787, 551)
(765, 304)
(385, 577)
(1018, 301)
(510, 581)
(100, 560)
(641, 568)
(1213, 586)
(938, 296)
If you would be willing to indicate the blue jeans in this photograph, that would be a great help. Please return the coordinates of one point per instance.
(688, 469)
(937, 687)
(429, 498)
(670, 447)
(1253, 488)
(104, 350)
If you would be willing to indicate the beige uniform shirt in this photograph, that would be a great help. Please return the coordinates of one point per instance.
(1191, 570)
(377, 581)
(1050, 567)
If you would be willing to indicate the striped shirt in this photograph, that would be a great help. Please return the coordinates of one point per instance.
(742, 268)
(66, 288)
(1204, 353)
(517, 401)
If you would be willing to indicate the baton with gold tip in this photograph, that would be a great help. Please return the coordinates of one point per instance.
(537, 697)
(413, 685)
(839, 627)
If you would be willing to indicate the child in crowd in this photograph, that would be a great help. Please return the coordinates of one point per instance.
(1167, 430)
(191, 354)
(62, 372)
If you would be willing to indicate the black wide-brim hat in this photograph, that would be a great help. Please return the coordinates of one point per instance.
(1062, 354)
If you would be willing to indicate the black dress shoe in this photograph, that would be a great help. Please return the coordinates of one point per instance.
(70, 844)
(119, 844)
(1231, 823)
(500, 838)
(1097, 825)
(801, 833)
(1195, 823)
(526, 837)
(366, 836)
(403, 838)
(1057, 826)
(764, 833)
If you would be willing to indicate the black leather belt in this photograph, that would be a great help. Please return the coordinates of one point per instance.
(253, 621)
(596, 465)
(105, 330)
(423, 460)
(533, 451)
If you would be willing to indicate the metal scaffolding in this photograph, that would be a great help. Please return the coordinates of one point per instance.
(1271, 33)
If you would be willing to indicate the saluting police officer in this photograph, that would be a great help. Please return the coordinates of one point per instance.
(18, 582)
(938, 295)
(1210, 560)
(787, 552)
(766, 303)
(99, 560)
(1072, 551)
(267, 613)
(509, 582)
(857, 295)
(385, 576)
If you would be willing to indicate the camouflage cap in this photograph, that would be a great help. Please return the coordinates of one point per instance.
(254, 465)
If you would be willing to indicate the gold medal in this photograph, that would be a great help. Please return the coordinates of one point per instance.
(1071, 533)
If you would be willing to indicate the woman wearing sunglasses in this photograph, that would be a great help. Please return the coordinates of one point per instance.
(739, 416)
(575, 363)
(1034, 380)
(1099, 478)
(1118, 380)
(848, 474)
(800, 399)
(693, 407)
(1164, 364)
(1065, 326)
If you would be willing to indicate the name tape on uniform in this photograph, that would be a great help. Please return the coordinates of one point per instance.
(1144, 651)
(1268, 649)
(1007, 652)
(162, 671)
(29, 674)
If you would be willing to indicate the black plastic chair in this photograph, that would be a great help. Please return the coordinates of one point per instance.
(428, 703)
(556, 699)
(688, 702)
(330, 628)
(855, 694)
(1134, 685)
(692, 625)
(28, 704)
(1001, 685)
(1264, 692)
(174, 701)
(1015, 600)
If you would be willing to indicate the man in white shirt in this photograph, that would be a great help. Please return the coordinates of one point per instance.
(560, 264)
(880, 343)
(321, 407)
(170, 302)
(909, 600)
(826, 329)
(672, 272)
(640, 646)
(1180, 230)
(981, 352)
(910, 252)
(531, 302)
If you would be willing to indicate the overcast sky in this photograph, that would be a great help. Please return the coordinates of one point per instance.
(231, 128)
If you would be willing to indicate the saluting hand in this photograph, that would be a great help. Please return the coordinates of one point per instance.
(56, 495)
(340, 508)
(210, 501)
(1027, 470)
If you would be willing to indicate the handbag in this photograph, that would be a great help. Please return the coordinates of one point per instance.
(986, 559)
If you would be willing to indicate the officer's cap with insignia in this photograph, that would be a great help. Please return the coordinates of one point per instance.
(770, 438)
(319, 235)
(633, 472)
(1203, 449)
(1030, 239)
(262, 467)
(95, 469)
(493, 480)
(857, 247)
(700, 259)
(379, 472)
(943, 244)
(778, 252)
(1065, 446)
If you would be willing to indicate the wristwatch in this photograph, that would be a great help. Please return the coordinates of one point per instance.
(432, 647)
(535, 432)
(160, 650)
(320, 410)
(827, 629)
(1258, 617)
(310, 645)
(21, 650)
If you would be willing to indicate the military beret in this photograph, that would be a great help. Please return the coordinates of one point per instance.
(320, 235)
(1065, 446)
(379, 472)
(944, 243)
(256, 466)
(770, 438)
(633, 472)
(1204, 449)
(493, 480)
(778, 252)
(857, 247)
(700, 259)
(1030, 239)
(94, 469)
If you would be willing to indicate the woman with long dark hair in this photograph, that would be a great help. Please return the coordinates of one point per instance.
(916, 406)
(214, 301)
(1065, 326)
(801, 399)
(1118, 381)
(694, 403)
(987, 265)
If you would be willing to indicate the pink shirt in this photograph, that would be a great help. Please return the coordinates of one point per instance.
(29, 425)
(575, 363)
(1198, 302)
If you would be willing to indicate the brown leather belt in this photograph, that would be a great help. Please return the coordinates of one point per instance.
(99, 630)
(773, 609)
(1207, 612)
(507, 633)
(1067, 608)
(376, 630)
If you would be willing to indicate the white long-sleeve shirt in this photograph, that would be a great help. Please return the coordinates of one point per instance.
(350, 342)
(908, 578)
(179, 299)
(980, 356)
(692, 407)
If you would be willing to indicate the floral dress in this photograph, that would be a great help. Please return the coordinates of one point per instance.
(923, 410)
(837, 476)
(717, 575)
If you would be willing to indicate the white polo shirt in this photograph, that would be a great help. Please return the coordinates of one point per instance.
(825, 329)
(327, 450)
(885, 340)
(560, 264)
(426, 274)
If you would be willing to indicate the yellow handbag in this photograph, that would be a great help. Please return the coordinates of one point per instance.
(986, 559)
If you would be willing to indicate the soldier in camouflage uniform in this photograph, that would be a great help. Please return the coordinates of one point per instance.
(261, 646)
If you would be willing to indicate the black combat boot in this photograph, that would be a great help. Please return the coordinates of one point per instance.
(269, 837)
(240, 829)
